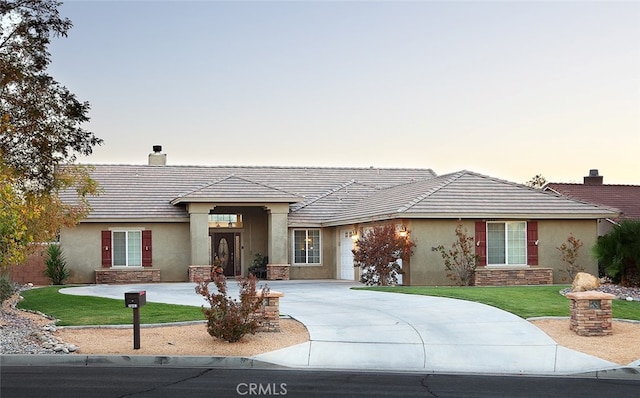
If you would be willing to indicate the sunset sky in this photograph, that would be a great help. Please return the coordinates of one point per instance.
(508, 89)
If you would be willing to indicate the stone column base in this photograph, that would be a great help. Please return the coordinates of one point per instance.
(269, 314)
(199, 273)
(591, 313)
(278, 272)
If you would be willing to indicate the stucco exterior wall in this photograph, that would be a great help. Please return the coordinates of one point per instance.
(327, 268)
(553, 233)
(427, 267)
(170, 249)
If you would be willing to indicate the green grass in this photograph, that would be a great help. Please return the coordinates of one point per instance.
(524, 301)
(86, 310)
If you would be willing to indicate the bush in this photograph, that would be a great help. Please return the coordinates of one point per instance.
(569, 254)
(7, 287)
(227, 318)
(258, 266)
(618, 253)
(377, 253)
(56, 265)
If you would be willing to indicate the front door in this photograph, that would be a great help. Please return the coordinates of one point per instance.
(226, 247)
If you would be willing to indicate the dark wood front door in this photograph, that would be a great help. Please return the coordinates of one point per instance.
(226, 247)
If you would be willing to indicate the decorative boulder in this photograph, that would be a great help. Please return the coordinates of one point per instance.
(584, 282)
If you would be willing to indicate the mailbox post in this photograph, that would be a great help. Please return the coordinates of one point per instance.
(135, 300)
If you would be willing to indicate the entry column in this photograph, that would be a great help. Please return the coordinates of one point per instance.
(199, 230)
(278, 241)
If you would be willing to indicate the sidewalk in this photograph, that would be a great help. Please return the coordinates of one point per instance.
(351, 329)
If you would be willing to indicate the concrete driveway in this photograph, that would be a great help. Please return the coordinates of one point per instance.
(351, 329)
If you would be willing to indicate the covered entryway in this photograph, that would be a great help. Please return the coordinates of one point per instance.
(346, 255)
(226, 247)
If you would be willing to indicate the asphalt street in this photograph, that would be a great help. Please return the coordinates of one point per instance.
(165, 382)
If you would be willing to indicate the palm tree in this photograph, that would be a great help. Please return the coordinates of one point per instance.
(619, 253)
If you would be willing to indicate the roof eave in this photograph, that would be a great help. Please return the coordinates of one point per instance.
(135, 220)
(481, 216)
(305, 225)
(256, 200)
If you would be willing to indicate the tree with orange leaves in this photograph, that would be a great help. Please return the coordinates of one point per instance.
(377, 253)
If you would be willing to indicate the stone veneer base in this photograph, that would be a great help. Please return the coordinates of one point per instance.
(278, 272)
(485, 276)
(199, 273)
(113, 276)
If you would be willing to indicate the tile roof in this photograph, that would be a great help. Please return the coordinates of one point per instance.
(237, 189)
(323, 196)
(143, 192)
(329, 204)
(470, 195)
(626, 198)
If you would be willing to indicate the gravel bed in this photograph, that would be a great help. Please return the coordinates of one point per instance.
(22, 332)
(621, 293)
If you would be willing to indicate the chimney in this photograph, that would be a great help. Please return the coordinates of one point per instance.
(157, 158)
(593, 178)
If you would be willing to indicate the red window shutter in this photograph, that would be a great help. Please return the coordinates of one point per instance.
(481, 242)
(146, 249)
(106, 249)
(532, 243)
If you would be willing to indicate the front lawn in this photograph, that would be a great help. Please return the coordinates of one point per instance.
(524, 301)
(86, 310)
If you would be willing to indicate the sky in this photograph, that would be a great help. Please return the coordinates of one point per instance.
(510, 89)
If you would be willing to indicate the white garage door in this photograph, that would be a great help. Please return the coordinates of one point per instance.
(346, 256)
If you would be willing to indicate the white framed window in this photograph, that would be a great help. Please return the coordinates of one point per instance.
(306, 246)
(507, 243)
(225, 220)
(126, 248)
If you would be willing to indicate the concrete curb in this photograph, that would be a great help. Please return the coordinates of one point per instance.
(136, 360)
(622, 373)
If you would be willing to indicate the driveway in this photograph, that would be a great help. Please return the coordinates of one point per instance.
(352, 329)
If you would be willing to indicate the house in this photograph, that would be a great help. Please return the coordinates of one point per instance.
(623, 198)
(158, 222)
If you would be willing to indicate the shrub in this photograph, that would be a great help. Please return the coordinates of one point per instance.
(460, 261)
(227, 318)
(377, 253)
(7, 287)
(569, 254)
(618, 253)
(56, 265)
(258, 266)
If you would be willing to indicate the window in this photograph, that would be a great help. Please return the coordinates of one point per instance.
(225, 220)
(306, 246)
(127, 248)
(506, 243)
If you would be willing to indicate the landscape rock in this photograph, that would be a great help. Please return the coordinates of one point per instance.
(22, 335)
(584, 282)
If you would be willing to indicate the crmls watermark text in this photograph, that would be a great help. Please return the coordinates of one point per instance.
(261, 389)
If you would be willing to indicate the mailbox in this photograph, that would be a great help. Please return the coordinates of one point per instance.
(135, 299)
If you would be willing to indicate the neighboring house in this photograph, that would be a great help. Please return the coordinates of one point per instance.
(623, 198)
(159, 222)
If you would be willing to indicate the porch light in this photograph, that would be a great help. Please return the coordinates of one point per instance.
(354, 235)
(403, 232)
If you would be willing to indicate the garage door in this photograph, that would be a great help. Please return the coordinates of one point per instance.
(346, 256)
